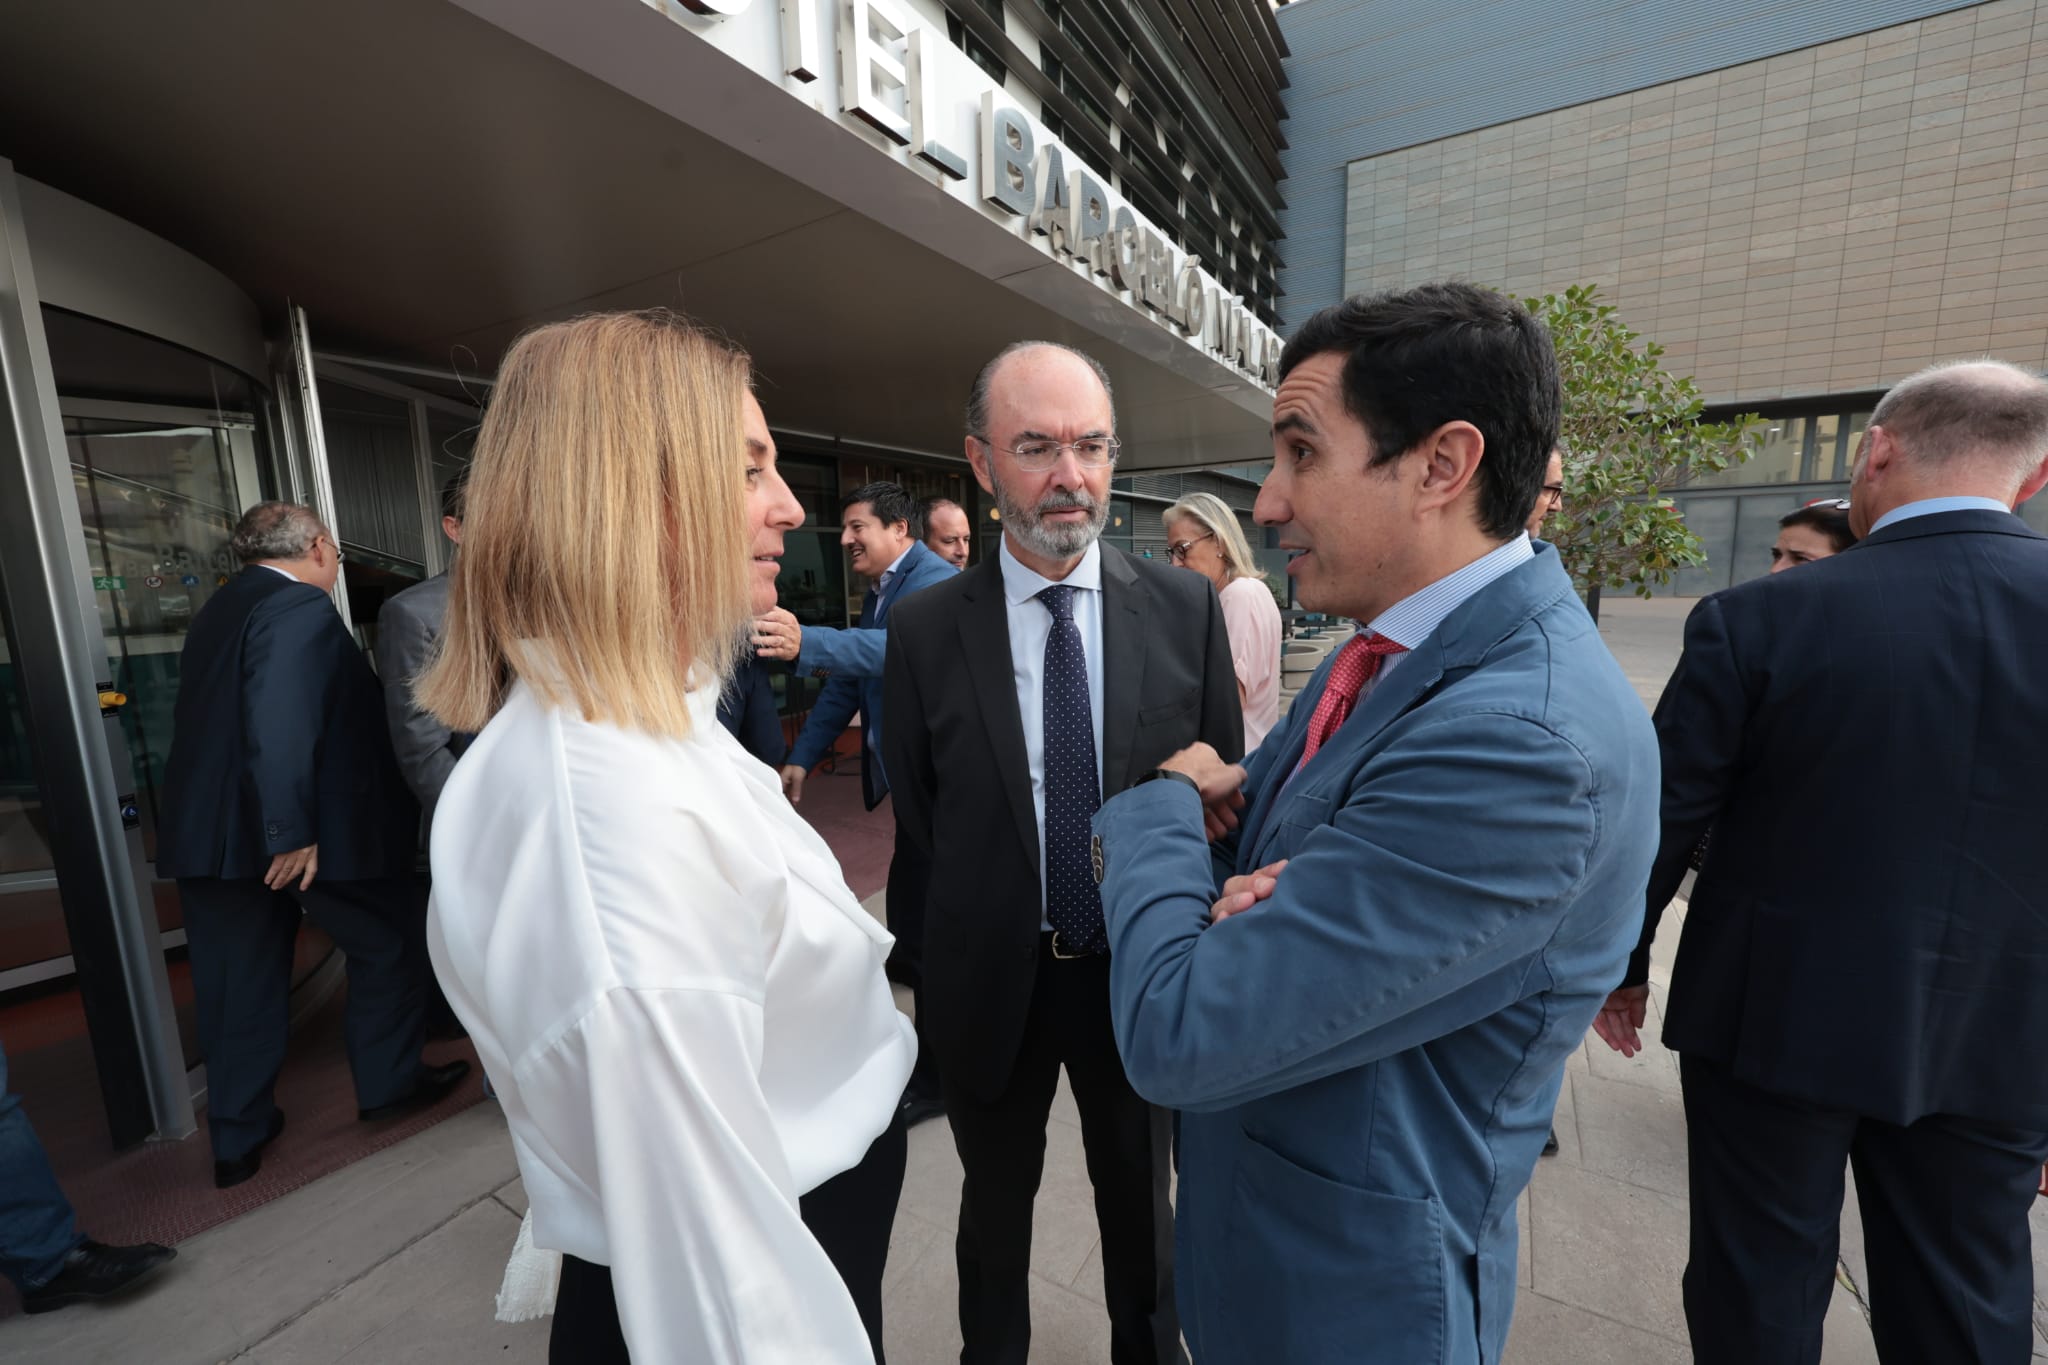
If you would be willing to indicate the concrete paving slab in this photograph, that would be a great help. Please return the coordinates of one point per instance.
(1608, 1247)
(1564, 1120)
(910, 1237)
(1087, 1281)
(235, 1284)
(1845, 1338)
(513, 1197)
(1522, 1252)
(1632, 1133)
(1547, 1332)
(431, 1304)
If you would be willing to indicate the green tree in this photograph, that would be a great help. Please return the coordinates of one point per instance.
(1631, 429)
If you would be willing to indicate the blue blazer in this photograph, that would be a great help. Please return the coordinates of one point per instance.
(851, 660)
(280, 742)
(1366, 1063)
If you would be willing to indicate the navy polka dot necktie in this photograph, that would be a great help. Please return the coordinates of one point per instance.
(1073, 787)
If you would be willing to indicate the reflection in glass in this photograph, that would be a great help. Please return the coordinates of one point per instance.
(158, 501)
(1852, 443)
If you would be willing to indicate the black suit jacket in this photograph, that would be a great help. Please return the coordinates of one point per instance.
(280, 742)
(955, 751)
(1868, 737)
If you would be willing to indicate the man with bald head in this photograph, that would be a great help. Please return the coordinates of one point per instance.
(1021, 695)
(946, 532)
(1860, 979)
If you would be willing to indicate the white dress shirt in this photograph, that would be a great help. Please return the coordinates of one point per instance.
(1030, 627)
(683, 1009)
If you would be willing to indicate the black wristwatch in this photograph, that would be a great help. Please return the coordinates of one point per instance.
(1174, 773)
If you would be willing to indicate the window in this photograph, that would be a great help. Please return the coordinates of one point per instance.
(978, 52)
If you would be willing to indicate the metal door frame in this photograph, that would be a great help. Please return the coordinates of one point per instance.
(80, 775)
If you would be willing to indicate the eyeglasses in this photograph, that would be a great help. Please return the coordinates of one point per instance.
(1554, 492)
(335, 545)
(1092, 451)
(1833, 504)
(1177, 552)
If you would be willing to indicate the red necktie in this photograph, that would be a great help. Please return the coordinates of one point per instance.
(1357, 664)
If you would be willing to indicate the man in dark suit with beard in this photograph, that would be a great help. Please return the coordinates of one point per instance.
(1860, 977)
(1019, 695)
(281, 795)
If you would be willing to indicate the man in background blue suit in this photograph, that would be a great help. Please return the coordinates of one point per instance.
(1362, 1002)
(878, 522)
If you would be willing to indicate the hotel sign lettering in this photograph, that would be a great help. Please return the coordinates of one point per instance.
(896, 77)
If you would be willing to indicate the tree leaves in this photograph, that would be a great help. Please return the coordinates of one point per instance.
(1630, 430)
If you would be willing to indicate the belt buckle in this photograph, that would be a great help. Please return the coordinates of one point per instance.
(1061, 954)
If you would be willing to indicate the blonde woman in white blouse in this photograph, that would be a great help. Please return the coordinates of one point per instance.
(659, 962)
(1202, 534)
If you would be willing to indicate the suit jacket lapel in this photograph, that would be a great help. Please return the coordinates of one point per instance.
(1124, 601)
(1421, 670)
(985, 639)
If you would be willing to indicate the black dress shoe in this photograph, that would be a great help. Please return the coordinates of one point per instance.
(433, 1085)
(232, 1172)
(93, 1271)
(1550, 1144)
(918, 1106)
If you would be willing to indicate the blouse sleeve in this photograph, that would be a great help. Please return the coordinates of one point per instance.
(1249, 640)
(710, 1259)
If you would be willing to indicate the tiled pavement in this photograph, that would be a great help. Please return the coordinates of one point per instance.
(396, 1259)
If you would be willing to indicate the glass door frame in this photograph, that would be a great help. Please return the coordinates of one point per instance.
(83, 770)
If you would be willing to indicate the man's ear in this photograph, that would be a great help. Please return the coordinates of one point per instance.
(1450, 458)
(977, 457)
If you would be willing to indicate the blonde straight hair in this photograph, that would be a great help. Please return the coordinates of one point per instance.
(604, 543)
(1215, 517)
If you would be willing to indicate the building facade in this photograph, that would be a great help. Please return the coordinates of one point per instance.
(251, 251)
(1803, 203)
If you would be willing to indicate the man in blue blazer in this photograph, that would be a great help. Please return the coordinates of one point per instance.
(878, 523)
(1860, 982)
(281, 795)
(1362, 1002)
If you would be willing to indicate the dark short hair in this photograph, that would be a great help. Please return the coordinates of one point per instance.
(929, 506)
(454, 493)
(888, 501)
(977, 396)
(1449, 352)
(1829, 517)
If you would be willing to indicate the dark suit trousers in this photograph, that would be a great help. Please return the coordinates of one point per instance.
(240, 935)
(910, 875)
(1944, 1203)
(1002, 1148)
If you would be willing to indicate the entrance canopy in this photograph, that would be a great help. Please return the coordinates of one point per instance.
(425, 184)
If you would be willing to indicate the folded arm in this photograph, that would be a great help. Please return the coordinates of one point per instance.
(1410, 912)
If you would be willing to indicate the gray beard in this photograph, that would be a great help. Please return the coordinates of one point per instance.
(1060, 541)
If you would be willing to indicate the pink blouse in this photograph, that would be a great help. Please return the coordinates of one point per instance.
(1253, 620)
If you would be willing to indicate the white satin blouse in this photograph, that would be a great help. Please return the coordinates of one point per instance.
(683, 1009)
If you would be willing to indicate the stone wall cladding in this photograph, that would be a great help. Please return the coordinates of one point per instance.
(1824, 221)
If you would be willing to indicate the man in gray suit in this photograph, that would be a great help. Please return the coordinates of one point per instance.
(407, 627)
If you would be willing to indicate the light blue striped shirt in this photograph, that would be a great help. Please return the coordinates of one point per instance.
(1411, 620)
(1927, 507)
